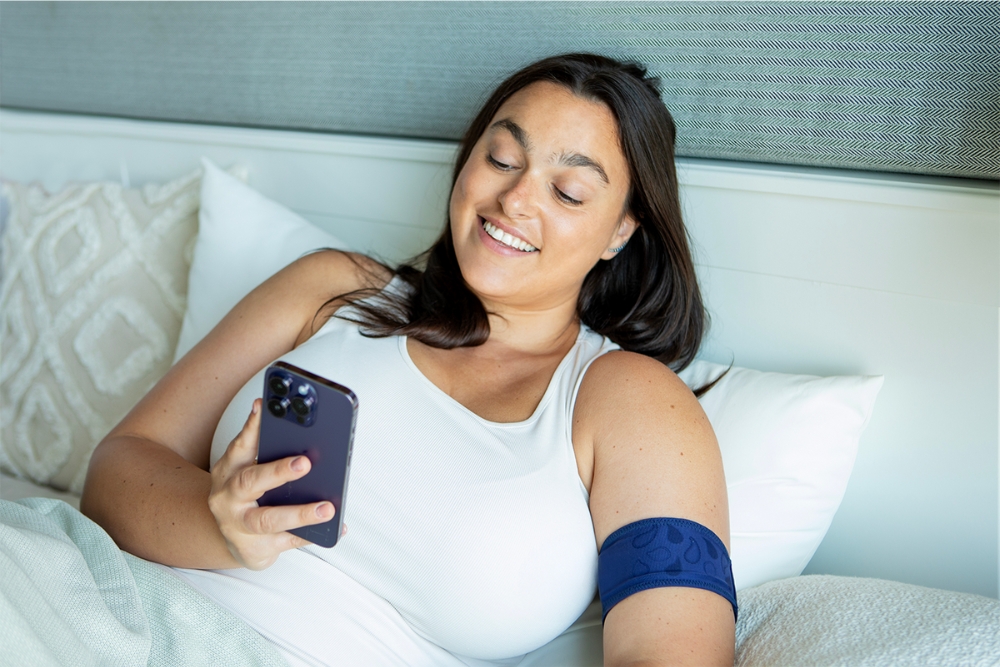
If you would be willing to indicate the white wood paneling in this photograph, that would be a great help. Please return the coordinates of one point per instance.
(926, 468)
(327, 179)
(804, 271)
(825, 272)
(909, 250)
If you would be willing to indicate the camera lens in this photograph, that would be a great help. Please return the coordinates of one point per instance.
(278, 406)
(280, 384)
(301, 405)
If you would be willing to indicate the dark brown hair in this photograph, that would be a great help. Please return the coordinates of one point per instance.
(646, 299)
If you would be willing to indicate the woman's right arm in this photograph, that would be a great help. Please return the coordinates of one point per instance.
(148, 483)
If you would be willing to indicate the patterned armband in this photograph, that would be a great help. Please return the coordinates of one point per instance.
(663, 552)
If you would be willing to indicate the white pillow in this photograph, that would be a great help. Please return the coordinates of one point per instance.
(243, 239)
(788, 447)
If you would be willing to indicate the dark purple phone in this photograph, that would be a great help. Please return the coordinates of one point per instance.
(308, 414)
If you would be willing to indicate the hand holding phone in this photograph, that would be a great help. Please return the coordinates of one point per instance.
(308, 415)
(255, 536)
(255, 533)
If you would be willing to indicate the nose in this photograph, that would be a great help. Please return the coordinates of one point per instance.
(518, 199)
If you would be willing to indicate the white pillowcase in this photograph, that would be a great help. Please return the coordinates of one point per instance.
(788, 441)
(788, 447)
(243, 239)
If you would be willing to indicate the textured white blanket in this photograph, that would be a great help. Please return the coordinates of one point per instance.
(802, 621)
(825, 620)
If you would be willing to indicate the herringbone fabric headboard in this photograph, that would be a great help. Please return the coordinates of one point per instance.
(894, 86)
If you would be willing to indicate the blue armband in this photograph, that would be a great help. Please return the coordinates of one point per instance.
(663, 552)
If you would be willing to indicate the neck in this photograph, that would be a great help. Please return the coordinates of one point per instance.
(531, 331)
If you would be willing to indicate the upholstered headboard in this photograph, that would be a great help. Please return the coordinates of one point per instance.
(888, 86)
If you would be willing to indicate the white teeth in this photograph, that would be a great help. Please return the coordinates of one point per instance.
(507, 239)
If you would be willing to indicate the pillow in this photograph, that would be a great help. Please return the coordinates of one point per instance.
(244, 238)
(788, 447)
(91, 302)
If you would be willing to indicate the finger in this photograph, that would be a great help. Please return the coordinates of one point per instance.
(246, 440)
(293, 542)
(287, 542)
(254, 480)
(269, 520)
(343, 530)
(243, 448)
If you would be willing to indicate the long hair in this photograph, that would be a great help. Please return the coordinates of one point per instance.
(646, 299)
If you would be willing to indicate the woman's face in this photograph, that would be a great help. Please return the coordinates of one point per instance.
(549, 180)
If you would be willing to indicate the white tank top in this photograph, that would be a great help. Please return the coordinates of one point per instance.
(478, 534)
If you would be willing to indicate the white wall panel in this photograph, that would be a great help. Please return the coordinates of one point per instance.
(921, 503)
(829, 272)
(389, 180)
(883, 236)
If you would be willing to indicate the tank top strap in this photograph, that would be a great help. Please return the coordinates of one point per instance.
(345, 316)
(589, 347)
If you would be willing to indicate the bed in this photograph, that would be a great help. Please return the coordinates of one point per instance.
(125, 241)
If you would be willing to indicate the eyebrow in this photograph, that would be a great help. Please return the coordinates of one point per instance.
(578, 160)
(567, 159)
(516, 131)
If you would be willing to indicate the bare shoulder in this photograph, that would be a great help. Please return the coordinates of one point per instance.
(654, 451)
(632, 372)
(635, 388)
(315, 281)
(335, 272)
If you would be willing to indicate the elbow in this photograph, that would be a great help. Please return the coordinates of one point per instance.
(90, 497)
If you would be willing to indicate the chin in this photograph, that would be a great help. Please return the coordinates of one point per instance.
(488, 282)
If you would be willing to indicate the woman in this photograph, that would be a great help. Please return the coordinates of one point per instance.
(516, 411)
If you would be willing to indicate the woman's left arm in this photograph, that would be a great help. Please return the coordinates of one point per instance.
(654, 455)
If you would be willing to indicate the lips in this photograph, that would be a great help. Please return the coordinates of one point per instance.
(505, 238)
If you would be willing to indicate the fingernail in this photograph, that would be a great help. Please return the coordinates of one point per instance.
(299, 463)
(324, 511)
(255, 408)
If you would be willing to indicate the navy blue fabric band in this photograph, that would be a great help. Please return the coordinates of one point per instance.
(663, 552)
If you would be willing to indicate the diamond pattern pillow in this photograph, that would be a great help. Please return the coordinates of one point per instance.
(92, 296)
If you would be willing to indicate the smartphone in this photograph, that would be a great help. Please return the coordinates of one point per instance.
(305, 414)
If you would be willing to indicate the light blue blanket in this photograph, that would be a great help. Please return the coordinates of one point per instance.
(69, 596)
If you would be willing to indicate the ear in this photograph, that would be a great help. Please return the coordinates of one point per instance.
(623, 233)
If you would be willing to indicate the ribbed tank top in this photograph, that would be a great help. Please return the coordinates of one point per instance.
(477, 533)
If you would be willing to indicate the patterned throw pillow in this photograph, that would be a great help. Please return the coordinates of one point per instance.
(92, 296)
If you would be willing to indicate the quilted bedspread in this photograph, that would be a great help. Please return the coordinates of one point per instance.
(69, 596)
(827, 620)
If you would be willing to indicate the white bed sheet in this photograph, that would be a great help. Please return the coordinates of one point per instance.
(12, 488)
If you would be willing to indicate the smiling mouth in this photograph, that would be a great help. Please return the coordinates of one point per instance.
(503, 237)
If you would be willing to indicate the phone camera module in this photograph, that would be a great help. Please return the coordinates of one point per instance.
(290, 397)
(278, 406)
(280, 384)
(301, 405)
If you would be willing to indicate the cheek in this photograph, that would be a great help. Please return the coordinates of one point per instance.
(587, 234)
(461, 192)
